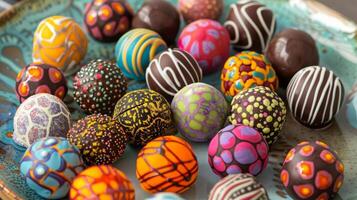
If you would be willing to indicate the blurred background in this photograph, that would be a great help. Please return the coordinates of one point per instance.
(345, 7)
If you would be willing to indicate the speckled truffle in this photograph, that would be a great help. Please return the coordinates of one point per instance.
(312, 170)
(99, 138)
(40, 78)
(98, 86)
(200, 111)
(259, 108)
(238, 187)
(145, 115)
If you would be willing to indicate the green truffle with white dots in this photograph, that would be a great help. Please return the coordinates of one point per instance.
(260, 108)
(98, 86)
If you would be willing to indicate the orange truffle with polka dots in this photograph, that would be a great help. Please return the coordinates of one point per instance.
(312, 170)
(107, 20)
(102, 182)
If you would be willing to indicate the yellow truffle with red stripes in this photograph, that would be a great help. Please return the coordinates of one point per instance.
(102, 182)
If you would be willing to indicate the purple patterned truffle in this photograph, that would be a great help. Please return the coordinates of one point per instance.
(200, 110)
(40, 116)
(238, 149)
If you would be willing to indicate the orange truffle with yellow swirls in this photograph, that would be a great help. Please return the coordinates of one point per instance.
(60, 42)
(166, 164)
(245, 70)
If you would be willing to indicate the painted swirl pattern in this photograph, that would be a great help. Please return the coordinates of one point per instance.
(251, 25)
(171, 71)
(166, 164)
(315, 95)
(60, 42)
(50, 165)
(136, 49)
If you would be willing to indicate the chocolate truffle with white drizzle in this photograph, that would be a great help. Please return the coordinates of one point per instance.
(172, 70)
(315, 95)
(251, 25)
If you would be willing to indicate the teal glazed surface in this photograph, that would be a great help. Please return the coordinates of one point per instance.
(337, 43)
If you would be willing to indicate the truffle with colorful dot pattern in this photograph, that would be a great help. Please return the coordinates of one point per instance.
(98, 86)
(259, 108)
(99, 138)
(312, 170)
(200, 111)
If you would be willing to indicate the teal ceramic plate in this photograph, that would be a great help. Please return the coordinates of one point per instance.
(337, 42)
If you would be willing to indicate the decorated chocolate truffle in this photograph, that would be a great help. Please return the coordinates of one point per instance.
(238, 149)
(102, 182)
(49, 166)
(159, 16)
(98, 86)
(166, 164)
(261, 109)
(238, 187)
(296, 45)
(145, 115)
(60, 42)
(107, 20)
(193, 10)
(251, 25)
(40, 78)
(315, 95)
(172, 70)
(100, 139)
(200, 111)
(312, 170)
(245, 70)
(40, 116)
(136, 49)
(165, 196)
(351, 107)
(208, 42)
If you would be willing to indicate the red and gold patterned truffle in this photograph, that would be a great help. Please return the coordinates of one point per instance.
(99, 138)
(312, 170)
(107, 20)
(166, 164)
(102, 182)
(246, 70)
(40, 78)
